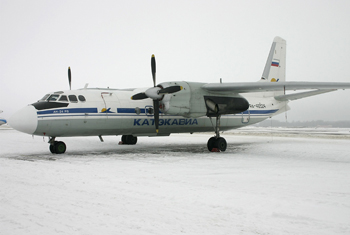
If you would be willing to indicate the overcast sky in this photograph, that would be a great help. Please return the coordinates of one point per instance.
(109, 43)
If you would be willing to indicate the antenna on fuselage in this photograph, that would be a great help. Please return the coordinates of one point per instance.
(69, 79)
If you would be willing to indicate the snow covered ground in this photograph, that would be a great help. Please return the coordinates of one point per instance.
(262, 184)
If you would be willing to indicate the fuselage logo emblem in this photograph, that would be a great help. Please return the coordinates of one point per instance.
(274, 80)
(104, 110)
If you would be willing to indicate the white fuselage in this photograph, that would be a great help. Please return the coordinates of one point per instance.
(112, 112)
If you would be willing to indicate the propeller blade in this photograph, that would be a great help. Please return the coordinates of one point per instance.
(153, 93)
(156, 114)
(169, 90)
(153, 67)
(69, 79)
(139, 96)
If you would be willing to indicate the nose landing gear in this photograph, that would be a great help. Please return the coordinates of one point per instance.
(57, 147)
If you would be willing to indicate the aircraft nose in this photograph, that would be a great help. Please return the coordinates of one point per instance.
(25, 120)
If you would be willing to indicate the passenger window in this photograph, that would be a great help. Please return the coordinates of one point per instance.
(73, 98)
(150, 111)
(63, 98)
(81, 98)
(53, 98)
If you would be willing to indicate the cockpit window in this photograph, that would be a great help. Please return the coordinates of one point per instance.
(81, 98)
(53, 98)
(45, 97)
(73, 98)
(63, 98)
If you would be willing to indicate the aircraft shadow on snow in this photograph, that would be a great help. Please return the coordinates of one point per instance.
(129, 152)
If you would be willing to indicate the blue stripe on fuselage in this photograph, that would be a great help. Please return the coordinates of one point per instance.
(129, 110)
(260, 111)
(65, 111)
(132, 111)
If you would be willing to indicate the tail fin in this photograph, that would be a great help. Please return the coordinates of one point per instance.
(275, 68)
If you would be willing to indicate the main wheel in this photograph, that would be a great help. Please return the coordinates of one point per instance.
(60, 147)
(221, 144)
(211, 143)
(124, 139)
(52, 148)
(130, 139)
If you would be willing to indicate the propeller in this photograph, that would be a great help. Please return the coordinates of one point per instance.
(139, 96)
(169, 90)
(69, 79)
(155, 101)
(156, 93)
(153, 68)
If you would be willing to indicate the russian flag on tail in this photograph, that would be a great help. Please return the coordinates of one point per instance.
(275, 63)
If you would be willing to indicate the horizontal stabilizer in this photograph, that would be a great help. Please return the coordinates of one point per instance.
(245, 87)
(301, 95)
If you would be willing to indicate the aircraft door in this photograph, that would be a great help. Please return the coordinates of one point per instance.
(111, 103)
(246, 117)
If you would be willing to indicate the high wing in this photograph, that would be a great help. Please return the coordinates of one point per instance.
(245, 87)
(248, 87)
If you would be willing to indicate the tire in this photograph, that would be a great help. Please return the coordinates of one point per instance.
(221, 144)
(134, 140)
(131, 140)
(124, 139)
(52, 148)
(60, 147)
(211, 143)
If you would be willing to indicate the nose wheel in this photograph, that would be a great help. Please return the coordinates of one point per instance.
(57, 147)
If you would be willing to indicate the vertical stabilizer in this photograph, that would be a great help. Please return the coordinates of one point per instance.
(275, 68)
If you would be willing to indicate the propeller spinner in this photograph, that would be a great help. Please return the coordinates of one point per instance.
(155, 93)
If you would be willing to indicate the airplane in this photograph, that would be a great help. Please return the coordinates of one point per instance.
(2, 120)
(167, 107)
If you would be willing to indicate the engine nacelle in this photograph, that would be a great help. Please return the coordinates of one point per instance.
(193, 101)
(219, 105)
(177, 103)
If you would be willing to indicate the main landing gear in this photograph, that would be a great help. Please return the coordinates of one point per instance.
(57, 147)
(216, 143)
(129, 139)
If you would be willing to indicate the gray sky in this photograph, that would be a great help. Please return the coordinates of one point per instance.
(109, 43)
